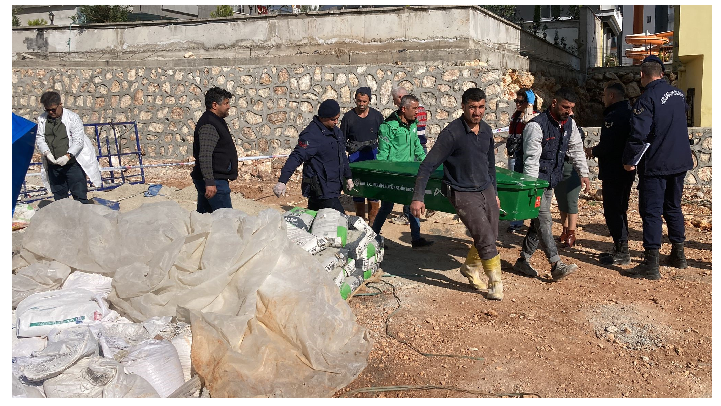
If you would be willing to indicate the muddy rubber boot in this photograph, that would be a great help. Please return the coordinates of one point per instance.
(677, 258)
(648, 268)
(373, 208)
(493, 271)
(360, 210)
(619, 255)
(471, 269)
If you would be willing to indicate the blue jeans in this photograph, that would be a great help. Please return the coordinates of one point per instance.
(221, 200)
(386, 209)
(540, 232)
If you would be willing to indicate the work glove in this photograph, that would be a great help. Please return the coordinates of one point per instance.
(62, 160)
(349, 184)
(279, 189)
(50, 157)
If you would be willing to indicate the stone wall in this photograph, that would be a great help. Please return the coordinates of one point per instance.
(271, 104)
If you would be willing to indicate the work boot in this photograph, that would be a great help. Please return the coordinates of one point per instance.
(570, 238)
(421, 243)
(373, 208)
(619, 255)
(524, 267)
(470, 269)
(648, 268)
(677, 258)
(564, 234)
(493, 271)
(360, 210)
(560, 270)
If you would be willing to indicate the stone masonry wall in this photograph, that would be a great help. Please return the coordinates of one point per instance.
(273, 104)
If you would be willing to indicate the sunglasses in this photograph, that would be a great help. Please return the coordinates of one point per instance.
(52, 110)
(519, 101)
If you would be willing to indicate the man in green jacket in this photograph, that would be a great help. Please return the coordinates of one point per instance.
(398, 142)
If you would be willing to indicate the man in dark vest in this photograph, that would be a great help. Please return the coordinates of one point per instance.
(616, 182)
(216, 159)
(659, 149)
(547, 139)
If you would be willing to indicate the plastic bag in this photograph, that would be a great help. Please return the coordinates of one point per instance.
(38, 277)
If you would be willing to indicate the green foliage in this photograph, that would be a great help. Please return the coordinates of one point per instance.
(611, 60)
(536, 20)
(574, 12)
(37, 22)
(16, 20)
(507, 12)
(222, 11)
(556, 11)
(101, 14)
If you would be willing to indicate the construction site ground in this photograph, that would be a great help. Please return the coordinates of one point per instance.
(593, 334)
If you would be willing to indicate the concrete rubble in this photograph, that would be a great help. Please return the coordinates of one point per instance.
(157, 300)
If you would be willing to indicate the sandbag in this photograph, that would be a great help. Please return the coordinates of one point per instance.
(40, 313)
(96, 283)
(305, 240)
(158, 363)
(22, 390)
(63, 350)
(98, 377)
(39, 277)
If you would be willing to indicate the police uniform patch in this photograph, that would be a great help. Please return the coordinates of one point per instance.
(303, 144)
(638, 111)
(608, 124)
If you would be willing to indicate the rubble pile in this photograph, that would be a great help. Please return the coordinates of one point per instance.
(151, 301)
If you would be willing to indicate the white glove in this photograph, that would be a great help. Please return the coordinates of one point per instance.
(279, 189)
(62, 160)
(50, 157)
(349, 184)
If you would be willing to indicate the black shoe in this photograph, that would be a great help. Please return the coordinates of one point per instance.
(677, 258)
(421, 243)
(619, 255)
(648, 268)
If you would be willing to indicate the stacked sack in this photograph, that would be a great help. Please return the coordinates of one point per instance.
(346, 246)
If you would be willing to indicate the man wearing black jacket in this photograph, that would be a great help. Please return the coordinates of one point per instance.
(216, 159)
(616, 182)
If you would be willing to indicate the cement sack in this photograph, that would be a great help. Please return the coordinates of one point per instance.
(40, 313)
(63, 350)
(98, 377)
(332, 258)
(305, 240)
(183, 343)
(331, 225)
(300, 217)
(158, 363)
(96, 283)
(38, 277)
(22, 390)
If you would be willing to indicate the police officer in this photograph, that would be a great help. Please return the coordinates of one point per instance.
(321, 151)
(660, 151)
(547, 139)
(360, 128)
(616, 182)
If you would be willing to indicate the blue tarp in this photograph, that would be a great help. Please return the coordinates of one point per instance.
(23, 147)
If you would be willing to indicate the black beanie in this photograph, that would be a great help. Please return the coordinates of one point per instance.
(328, 109)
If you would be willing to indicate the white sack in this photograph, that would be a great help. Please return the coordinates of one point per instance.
(64, 349)
(97, 377)
(331, 225)
(38, 277)
(21, 390)
(158, 363)
(96, 283)
(40, 313)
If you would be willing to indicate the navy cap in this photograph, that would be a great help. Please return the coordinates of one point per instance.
(364, 90)
(329, 109)
(654, 58)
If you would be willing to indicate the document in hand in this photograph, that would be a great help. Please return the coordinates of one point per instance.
(643, 151)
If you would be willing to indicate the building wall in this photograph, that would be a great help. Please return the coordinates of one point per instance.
(694, 52)
(62, 14)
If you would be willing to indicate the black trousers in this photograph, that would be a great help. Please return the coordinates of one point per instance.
(317, 204)
(661, 196)
(616, 194)
(68, 178)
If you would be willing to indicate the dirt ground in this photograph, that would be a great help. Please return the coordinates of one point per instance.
(594, 334)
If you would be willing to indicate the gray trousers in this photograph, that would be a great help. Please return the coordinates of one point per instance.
(478, 211)
(540, 231)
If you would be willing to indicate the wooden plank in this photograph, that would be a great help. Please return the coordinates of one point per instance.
(376, 277)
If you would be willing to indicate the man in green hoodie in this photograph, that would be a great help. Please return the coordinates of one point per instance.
(398, 142)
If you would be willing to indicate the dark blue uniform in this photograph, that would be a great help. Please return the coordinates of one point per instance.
(321, 151)
(659, 120)
(616, 182)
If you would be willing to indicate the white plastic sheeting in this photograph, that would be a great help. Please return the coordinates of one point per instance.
(266, 320)
(38, 277)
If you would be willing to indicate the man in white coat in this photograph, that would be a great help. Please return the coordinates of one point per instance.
(68, 154)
